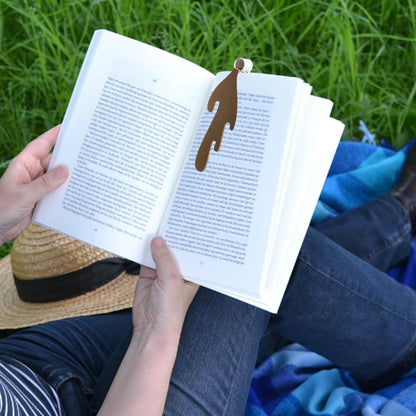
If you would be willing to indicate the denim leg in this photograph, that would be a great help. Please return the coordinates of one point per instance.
(340, 305)
(215, 361)
(216, 356)
(106, 377)
(70, 354)
(336, 304)
(378, 232)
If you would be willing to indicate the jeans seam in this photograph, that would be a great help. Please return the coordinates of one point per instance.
(354, 291)
(409, 345)
(238, 365)
(405, 229)
(399, 236)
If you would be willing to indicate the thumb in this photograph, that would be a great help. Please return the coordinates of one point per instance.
(168, 272)
(166, 266)
(48, 182)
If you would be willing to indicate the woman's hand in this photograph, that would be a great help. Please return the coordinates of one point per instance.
(162, 295)
(160, 305)
(25, 182)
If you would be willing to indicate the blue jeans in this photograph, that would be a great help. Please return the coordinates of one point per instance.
(339, 303)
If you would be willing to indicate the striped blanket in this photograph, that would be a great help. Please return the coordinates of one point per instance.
(295, 381)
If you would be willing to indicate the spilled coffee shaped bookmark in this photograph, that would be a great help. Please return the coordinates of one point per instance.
(226, 94)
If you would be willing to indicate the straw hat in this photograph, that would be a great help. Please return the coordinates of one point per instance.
(49, 276)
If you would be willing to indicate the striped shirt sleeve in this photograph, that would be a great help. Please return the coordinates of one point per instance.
(22, 392)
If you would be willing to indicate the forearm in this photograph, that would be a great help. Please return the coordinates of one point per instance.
(160, 304)
(142, 381)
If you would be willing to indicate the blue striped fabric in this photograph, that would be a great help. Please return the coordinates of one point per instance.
(295, 381)
(22, 392)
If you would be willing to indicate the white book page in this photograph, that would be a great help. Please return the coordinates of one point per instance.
(321, 136)
(124, 138)
(319, 150)
(218, 221)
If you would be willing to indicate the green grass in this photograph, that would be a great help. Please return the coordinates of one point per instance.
(360, 54)
(5, 249)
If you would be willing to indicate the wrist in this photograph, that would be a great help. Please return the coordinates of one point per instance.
(160, 336)
(159, 324)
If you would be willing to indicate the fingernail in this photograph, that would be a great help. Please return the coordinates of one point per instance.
(158, 242)
(60, 172)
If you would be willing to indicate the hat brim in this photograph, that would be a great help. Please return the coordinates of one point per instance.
(15, 313)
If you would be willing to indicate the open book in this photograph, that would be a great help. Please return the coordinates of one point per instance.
(130, 136)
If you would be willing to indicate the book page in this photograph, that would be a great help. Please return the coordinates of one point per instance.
(124, 137)
(218, 221)
(325, 134)
(318, 137)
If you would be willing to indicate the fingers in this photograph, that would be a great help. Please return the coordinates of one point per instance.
(46, 183)
(45, 162)
(41, 146)
(147, 272)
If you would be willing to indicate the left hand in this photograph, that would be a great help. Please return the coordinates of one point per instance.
(25, 182)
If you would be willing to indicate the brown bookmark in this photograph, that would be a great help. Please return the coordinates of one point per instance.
(226, 94)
